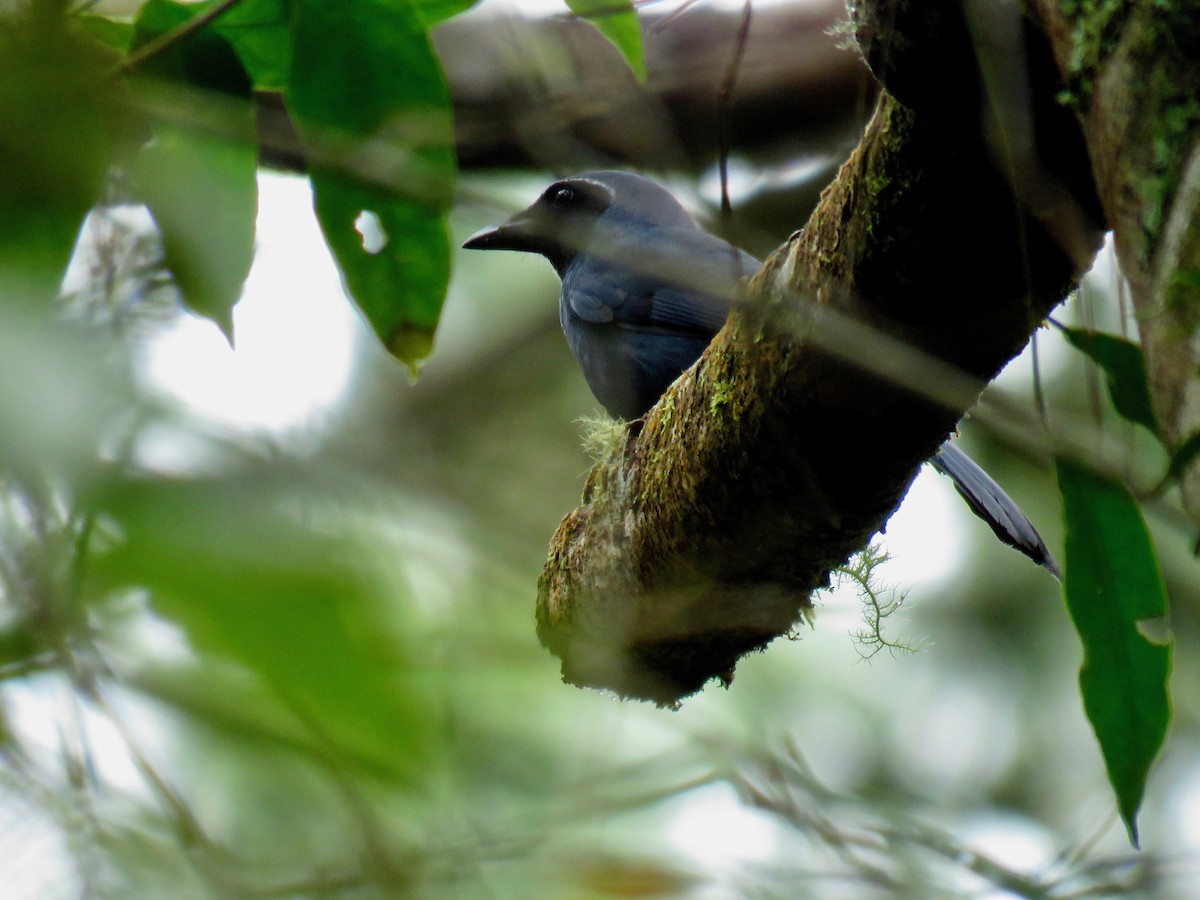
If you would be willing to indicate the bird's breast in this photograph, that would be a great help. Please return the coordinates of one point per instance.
(627, 368)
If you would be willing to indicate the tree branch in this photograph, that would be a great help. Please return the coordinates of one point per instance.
(798, 432)
(552, 93)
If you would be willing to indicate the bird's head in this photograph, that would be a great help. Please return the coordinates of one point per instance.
(565, 219)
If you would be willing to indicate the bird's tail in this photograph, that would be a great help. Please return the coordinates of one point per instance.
(988, 501)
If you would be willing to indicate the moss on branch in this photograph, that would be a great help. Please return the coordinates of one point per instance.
(788, 445)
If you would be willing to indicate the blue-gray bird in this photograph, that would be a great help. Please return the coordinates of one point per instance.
(645, 289)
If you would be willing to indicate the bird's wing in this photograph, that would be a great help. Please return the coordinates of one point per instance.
(674, 280)
(989, 501)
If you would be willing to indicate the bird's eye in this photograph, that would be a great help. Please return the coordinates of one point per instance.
(563, 196)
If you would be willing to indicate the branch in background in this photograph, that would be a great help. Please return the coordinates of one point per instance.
(551, 93)
(797, 434)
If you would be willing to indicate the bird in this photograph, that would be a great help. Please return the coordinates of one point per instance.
(644, 291)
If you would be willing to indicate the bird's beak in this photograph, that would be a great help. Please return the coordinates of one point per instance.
(518, 233)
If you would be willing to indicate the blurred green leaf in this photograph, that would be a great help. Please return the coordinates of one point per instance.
(434, 11)
(1124, 371)
(60, 392)
(258, 30)
(239, 708)
(198, 174)
(369, 99)
(19, 645)
(111, 32)
(1114, 592)
(202, 192)
(59, 132)
(618, 22)
(233, 563)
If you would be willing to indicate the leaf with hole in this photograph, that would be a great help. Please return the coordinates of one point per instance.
(373, 109)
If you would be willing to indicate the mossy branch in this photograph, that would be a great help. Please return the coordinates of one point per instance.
(789, 444)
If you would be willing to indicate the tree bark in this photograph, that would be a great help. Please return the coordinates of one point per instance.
(1133, 72)
(928, 262)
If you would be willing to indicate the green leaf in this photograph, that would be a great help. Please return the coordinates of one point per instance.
(19, 647)
(1124, 370)
(111, 32)
(257, 30)
(434, 11)
(618, 22)
(1116, 599)
(202, 193)
(238, 563)
(371, 104)
(61, 390)
(62, 122)
(198, 175)
(260, 34)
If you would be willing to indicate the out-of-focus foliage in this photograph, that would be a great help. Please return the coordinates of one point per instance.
(258, 31)
(1124, 372)
(59, 131)
(616, 20)
(205, 163)
(1184, 456)
(434, 11)
(307, 617)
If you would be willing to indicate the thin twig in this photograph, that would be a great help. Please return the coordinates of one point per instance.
(165, 41)
(1039, 390)
(672, 16)
(724, 106)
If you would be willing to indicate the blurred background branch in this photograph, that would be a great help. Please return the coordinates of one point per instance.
(549, 92)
